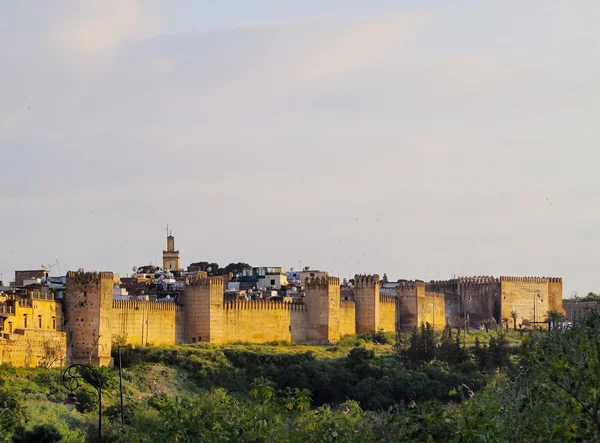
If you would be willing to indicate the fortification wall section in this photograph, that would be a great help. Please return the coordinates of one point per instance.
(143, 323)
(387, 313)
(555, 294)
(322, 298)
(432, 310)
(366, 297)
(347, 318)
(203, 307)
(408, 309)
(258, 321)
(88, 307)
(32, 348)
(528, 296)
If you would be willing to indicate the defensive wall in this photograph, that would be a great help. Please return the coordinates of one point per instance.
(33, 347)
(92, 319)
(143, 323)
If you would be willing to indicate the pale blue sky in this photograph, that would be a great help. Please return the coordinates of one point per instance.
(421, 139)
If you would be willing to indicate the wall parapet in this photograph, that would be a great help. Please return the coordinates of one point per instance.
(83, 277)
(364, 280)
(205, 282)
(388, 299)
(262, 305)
(321, 282)
(149, 305)
(531, 279)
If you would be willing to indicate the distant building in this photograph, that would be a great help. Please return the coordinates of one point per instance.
(576, 309)
(171, 258)
(313, 273)
(29, 276)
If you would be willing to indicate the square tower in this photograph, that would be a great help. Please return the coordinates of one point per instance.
(171, 258)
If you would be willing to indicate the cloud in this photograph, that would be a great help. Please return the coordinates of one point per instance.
(94, 28)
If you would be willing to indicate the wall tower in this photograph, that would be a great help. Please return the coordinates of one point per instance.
(322, 298)
(366, 296)
(88, 307)
(203, 307)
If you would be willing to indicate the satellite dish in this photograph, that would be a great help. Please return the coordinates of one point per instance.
(306, 268)
(80, 270)
(292, 269)
(208, 269)
(134, 269)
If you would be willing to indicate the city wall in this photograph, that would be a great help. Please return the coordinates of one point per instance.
(32, 348)
(347, 318)
(144, 323)
(261, 321)
(528, 296)
(387, 313)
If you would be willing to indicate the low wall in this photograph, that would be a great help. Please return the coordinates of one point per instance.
(32, 348)
(147, 323)
(347, 317)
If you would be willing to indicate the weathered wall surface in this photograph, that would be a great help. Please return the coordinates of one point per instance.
(555, 294)
(299, 323)
(203, 307)
(347, 318)
(32, 348)
(259, 321)
(408, 313)
(366, 297)
(431, 308)
(528, 296)
(88, 306)
(387, 313)
(144, 323)
(322, 299)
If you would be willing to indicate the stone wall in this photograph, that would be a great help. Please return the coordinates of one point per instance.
(347, 318)
(431, 307)
(203, 307)
(387, 313)
(259, 321)
(88, 307)
(322, 298)
(408, 312)
(528, 296)
(32, 348)
(144, 323)
(555, 294)
(366, 297)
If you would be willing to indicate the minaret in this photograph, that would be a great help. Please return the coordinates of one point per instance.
(171, 256)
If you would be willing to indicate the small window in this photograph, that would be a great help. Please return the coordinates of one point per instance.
(40, 321)
(53, 322)
(272, 282)
(10, 327)
(25, 321)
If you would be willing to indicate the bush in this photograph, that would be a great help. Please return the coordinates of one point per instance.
(45, 433)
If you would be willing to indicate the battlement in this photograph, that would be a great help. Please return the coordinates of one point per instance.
(532, 279)
(149, 305)
(410, 284)
(387, 299)
(321, 282)
(262, 305)
(82, 277)
(205, 282)
(366, 280)
(478, 279)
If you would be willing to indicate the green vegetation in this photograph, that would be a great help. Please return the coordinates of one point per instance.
(427, 386)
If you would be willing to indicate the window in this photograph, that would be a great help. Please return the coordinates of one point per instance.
(272, 282)
(10, 327)
(53, 322)
(24, 320)
(40, 321)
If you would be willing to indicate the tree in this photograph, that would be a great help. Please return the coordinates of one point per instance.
(236, 268)
(514, 315)
(555, 316)
(384, 279)
(505, 323)
(52, 352)
(45, 433)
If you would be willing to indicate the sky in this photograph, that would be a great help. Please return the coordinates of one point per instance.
(425, 139)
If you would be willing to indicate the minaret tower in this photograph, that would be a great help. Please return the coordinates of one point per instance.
(171, 256)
